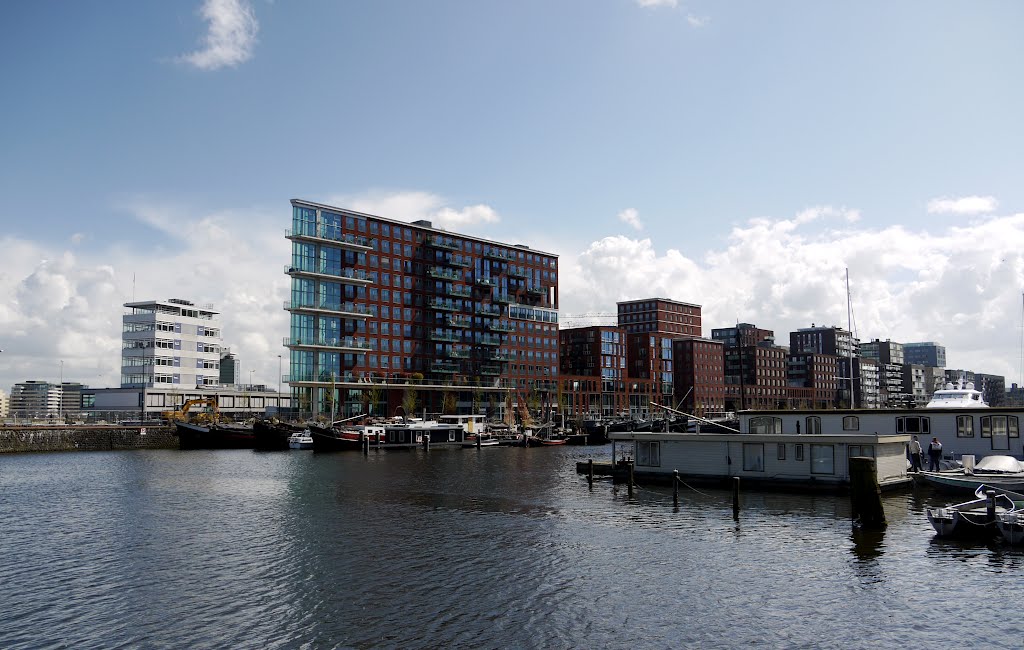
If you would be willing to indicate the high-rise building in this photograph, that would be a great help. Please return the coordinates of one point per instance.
(594, 374)
(170, 343)
(429, 316)
(36, 399)
(925, 354)
(883, 351)
(820, 339)
(678, 319)
(743, 335)
(5, 405)
(230, 368)
(699, 376)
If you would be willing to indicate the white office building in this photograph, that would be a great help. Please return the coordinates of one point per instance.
(170, 343)
(5, 405)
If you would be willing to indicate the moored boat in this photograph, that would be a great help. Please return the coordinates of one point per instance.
(327, 438)
(272, 436)
(975, 518)
(214, 436)
(300, 440)
(1003, 472)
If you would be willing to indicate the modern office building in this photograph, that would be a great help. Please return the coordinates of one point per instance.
(230, 368)
(883, 351)
(993, 387)
(671, 317)
(925, 353)
(820, 339)
(914, 384)
(170, 343)
(5, 405)
(36, 399)
(421, 313)
(743, 335)
(818, 372)
(593, 374)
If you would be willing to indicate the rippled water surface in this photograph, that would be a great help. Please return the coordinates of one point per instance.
(488, 548)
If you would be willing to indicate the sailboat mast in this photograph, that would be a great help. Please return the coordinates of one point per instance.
(849, 327)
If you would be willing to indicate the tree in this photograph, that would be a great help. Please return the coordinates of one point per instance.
(409, 401)
(371, 397)
(448, 402)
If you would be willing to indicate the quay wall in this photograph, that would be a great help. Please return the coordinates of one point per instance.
(84, 438)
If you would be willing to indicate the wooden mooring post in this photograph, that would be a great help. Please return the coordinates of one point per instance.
(590, 472)
(865, 495)
(736, 498)
(629, 465)
(675, 487)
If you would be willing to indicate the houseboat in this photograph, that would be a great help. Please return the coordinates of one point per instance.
(770, 460)
(423, 433)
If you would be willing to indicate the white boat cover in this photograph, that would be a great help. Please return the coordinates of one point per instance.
(1000, 464)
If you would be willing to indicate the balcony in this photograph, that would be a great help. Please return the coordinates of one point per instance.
(458, 261)
(490, 340)
(346, 275)
(487, 282)
(506, 298)
(459, 321)
(490, 370)
(442, 305)
(495, 254)
(488, 310)
(343, 309)
(441, 273)
(442, 242)
(346, 344)
(517, 272)
(444, 367)
(501, 355)
(330, 235)
(501, 326)
(462, 292)
(445, 337)
(458, 353)
(537, 291)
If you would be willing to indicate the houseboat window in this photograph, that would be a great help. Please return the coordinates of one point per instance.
(782, 451)
(765, 424)
(753, 457)
(1000, 425)
(964, 426)
(451, 436)
(823, 459)
(648, 454)
(798, 452)
(850, 423)
(814, 424)
(913, 424)
(867, 451)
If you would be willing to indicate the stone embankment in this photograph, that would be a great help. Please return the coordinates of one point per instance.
(85, 438)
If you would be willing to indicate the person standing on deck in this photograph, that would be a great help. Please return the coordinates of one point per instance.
(934, 454)
(915, 455)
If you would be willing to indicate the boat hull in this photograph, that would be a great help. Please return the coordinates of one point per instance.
(271, 436)
(959, 483)
(192, 436)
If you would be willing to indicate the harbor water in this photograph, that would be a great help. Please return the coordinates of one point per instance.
(469, 548)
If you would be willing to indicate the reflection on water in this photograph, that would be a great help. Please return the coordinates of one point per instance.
(461, 548)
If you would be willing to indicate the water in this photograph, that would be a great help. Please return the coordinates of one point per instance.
(489, 548)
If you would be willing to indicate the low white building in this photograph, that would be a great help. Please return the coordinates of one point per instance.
(170, 343)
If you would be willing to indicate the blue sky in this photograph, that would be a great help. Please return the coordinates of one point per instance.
(736, 155)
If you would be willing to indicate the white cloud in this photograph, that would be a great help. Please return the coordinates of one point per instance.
(230, 36)
(632, 217)
(963, 205)
(415, 206)
(697, 21)
(658, 3)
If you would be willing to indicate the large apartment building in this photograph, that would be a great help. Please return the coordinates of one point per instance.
(170, 343)
(409, 307)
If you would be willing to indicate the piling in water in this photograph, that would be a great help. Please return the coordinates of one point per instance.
(736, 498)
(865, 495)
(675, 487)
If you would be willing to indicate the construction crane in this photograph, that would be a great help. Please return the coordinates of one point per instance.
(587, 320)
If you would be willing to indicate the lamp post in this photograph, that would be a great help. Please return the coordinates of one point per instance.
(279, 383)
(60, 402)
(250, 379)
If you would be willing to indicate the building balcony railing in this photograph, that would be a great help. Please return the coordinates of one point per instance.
(458, 353)
(350, 276)
(462, 292)
(349, 309)
(537, 291)
(490, 370)
(458, 261)
(517, 272)
(458, 321)
(501, 355)
(443, 367)
(490, 340)
(442, 273)
(442, 242)
(330, 234)
(443, 336)
(488, 310)
(504, 298)
(443, 305)
(496, 254)
(487, 282)
(347, 344)
(501, 326)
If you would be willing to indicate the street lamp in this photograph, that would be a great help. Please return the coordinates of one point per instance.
(60, 403)
(279, 383)
(250, 378)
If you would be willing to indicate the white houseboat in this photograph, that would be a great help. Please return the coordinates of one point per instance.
(980, 430)
(769, 459)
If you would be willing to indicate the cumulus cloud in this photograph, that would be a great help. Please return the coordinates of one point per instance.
(632, 217)
(415, 206)
(697, 21)
(968, 205)
(230, 37)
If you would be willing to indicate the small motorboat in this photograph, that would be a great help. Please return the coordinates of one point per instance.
(1003, 472)
(485, 440)
(300, 440)
(977, 517)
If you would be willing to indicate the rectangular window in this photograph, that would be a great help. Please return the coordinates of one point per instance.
(823, 459)
(964, 426)
(850, 423)
(867, 451)
(753, 457)
(648, 454)
(782, 451)
(798, 452)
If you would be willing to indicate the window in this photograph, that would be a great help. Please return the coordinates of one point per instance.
(964, 426)
(850, 423)
(912, 424)
(823, 459)
(753, 457)
(648, 454)
(861, 450)
(813, 424)
(999, 425)
(782, 451)
(798, 452)
(765, 424)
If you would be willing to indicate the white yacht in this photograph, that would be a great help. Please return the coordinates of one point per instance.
(961, 395)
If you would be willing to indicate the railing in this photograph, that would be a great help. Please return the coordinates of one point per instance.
(488, 310)
(517, 272)
(501, 355)
(487, 282)
(447, 368)
(455, 321)
(490, 340)
(321, 269)
(444, 305)
(330, 234)
(325, 305)
(441, 242)
(443, 336)
(498, 255)
(347, 343)
(462, 292)
(444, 274)
(458, 353)
(501, 327)
(490, 370)
(458, 261)
(504, 297)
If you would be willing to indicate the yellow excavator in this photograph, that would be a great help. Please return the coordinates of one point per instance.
(211, 415)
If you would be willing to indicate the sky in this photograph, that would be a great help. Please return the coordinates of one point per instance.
(743, 156)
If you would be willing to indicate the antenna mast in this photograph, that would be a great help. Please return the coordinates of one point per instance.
(849, 326)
